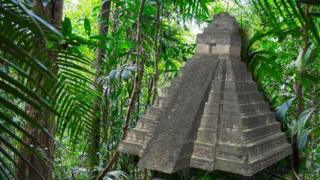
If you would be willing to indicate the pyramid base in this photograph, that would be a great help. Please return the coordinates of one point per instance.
(243, 168)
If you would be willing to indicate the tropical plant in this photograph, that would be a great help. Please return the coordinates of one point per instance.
(31, 81)
(81, 81)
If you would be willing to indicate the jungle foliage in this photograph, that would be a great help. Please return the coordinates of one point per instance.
(75, 75)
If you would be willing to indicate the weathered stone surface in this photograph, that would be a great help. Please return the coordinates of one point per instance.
(212, 117)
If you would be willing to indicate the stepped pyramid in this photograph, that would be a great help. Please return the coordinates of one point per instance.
(212, 117)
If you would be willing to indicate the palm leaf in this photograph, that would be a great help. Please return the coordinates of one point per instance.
(60, 94)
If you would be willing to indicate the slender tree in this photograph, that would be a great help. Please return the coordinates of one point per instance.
(94, 142)
(41, 167)
(136, 89)
(157, 52)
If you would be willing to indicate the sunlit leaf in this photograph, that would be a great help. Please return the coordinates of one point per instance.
(87, 26)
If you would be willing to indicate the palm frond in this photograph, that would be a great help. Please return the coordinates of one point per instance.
(67, 92)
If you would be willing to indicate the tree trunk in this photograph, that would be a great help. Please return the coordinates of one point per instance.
(157, 52)
(43, 165)
(135, 92)
(94, 141)
(295, 150)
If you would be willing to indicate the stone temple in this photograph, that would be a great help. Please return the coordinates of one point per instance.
(213, 116)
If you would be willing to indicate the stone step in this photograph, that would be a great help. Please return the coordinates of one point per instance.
(260, 132)
(218, 36)
(235, 67)
(266, 144)
(234, 121)
(204, 150)
(162, 155)
(237, 167)
(202, 163)
(235, 109)
(130, 147)
(153, 112)
(206, 135)
(231, 77)
(284, 147)
(149, 116)
(253, 108)
(250, 167)
(234, 97)
(248, 97)
(233, 58)
(239, 87)
(161, 102)
(233, 136)
(174, 85)
(246, 122)
(241, 152)
(218, 29)
(146, 123)
(202, 57)
(209, 121)
(191, 62)
(137, 135)
(235, 64)
(268, 158)
(257, 119)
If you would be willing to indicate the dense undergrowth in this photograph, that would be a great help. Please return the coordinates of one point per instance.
(76, 75)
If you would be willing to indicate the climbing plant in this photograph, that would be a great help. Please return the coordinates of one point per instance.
(82, 77)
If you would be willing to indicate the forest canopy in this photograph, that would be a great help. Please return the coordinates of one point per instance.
(76, 75)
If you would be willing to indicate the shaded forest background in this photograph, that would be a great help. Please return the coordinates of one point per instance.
(77, 74)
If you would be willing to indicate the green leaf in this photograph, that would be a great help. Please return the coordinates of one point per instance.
(18, 127)
(99, 37)
(17, 110)
(18, 86)
(311, 54)
(87, 26)
(66, 27)
(6, 166)
(310, 2)
(3, 173)
(19, 52)
(15, 150)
